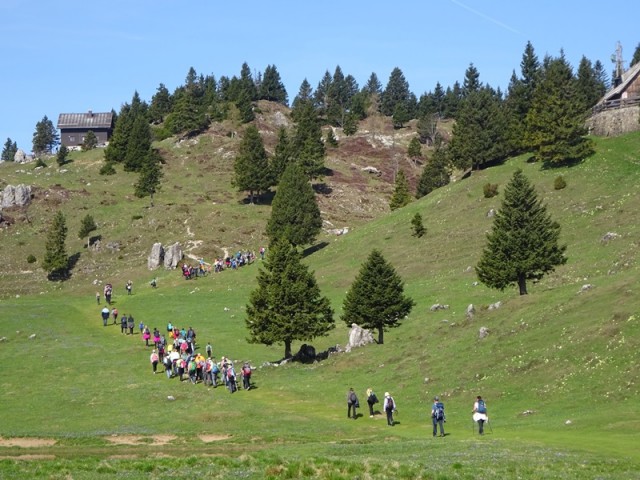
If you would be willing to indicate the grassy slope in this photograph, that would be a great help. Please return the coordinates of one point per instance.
(564, 355)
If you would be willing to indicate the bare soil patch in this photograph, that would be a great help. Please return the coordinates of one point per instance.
(26, 442)
(213, 438)
(141, 439)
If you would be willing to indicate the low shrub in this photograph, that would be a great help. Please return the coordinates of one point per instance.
(490, 190)
(559, 183)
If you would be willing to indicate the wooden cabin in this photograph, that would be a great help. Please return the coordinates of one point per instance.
(74, 127)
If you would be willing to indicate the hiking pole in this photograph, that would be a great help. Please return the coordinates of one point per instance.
(489, 423)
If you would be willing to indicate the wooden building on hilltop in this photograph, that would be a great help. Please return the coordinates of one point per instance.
(74, 127)
(618, 111)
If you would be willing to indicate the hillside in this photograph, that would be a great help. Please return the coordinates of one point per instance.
(564, 354)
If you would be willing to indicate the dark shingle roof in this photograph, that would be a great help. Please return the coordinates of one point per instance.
(85, 120)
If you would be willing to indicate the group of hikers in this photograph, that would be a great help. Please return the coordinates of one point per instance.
(180, 359)
(233, 262)
(108, 292)
(438, 417)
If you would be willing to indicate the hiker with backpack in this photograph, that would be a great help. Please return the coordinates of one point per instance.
(437, 416)
(372, 399)
(105, 315)
(389, 408)
(480, 413)
(352, 403)
(246, 376)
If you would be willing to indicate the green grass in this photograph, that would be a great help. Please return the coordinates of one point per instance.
(562, 354)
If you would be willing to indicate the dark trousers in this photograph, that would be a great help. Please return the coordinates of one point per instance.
(481, 427)
(370, 408)
(389, 416)
(437, 422)
(349, 407)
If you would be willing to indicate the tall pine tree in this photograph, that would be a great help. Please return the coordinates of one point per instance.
(376, 299)
(287, 305)
(401, 194)
(251, 166)
(523, 243)
(295, 215)
(556, 130)
(46, 137)
(150, 176)
(9, 151)
(56, 260)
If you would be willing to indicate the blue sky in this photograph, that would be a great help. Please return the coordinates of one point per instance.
(74, 56)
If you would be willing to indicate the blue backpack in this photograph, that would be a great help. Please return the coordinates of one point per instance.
(482, 408)
(438, 411)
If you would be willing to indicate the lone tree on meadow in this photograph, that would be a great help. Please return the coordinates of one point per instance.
(9, 151)
(56, 260)
(523, 244)
(287, 305)
(376, 299)
(295, 215)
(87, 226)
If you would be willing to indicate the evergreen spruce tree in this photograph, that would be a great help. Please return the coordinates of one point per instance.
(589, 87)
(307, 146)
(417, 226)
(376, 299)
(321, 94)
(116, 151)
(87, 226)
(304, 97)
(519, 99)
(251, 166)
(414, 151)
(90, 141)
(138, 146)
(401, 195)
(435, 173)
(556, 130)
(397, 92)
(45, 138)
(56, 260)
(189, 116)
(373, 86)
(161, 104)
(471, 81)
(281, 156)
(150, 176)
(350, 125)
(287, 305)
(247, 84)
(295, 215)
(400, 115)
(9, 151)
(61, 157)
(479, 131)
(272, 88)
(523, 243)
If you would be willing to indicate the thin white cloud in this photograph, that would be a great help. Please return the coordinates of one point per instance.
(486, 17)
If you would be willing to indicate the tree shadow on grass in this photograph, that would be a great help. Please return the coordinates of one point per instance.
(313, 249)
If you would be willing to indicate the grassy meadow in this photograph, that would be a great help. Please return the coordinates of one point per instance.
(559, 368)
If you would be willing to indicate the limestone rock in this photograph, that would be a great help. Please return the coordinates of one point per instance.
(173, 255)
(156, 257)
(438, 306)
(495, 306)
(358, 337)
(471, 311)
(483, 332)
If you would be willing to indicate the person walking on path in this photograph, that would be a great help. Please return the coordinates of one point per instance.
(114, 314)
(105, 316)
(480, 413)
(372, 399)
(98, 297)
(129, 287)
(352, 403)
(131, 324)
(154, 358)
(389, 408)
(437, 416)
(123, 323)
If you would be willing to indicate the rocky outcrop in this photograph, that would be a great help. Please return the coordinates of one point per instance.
(358, 337)
(21, 157)
(19, 195)
(156, 257)
(173, 255)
